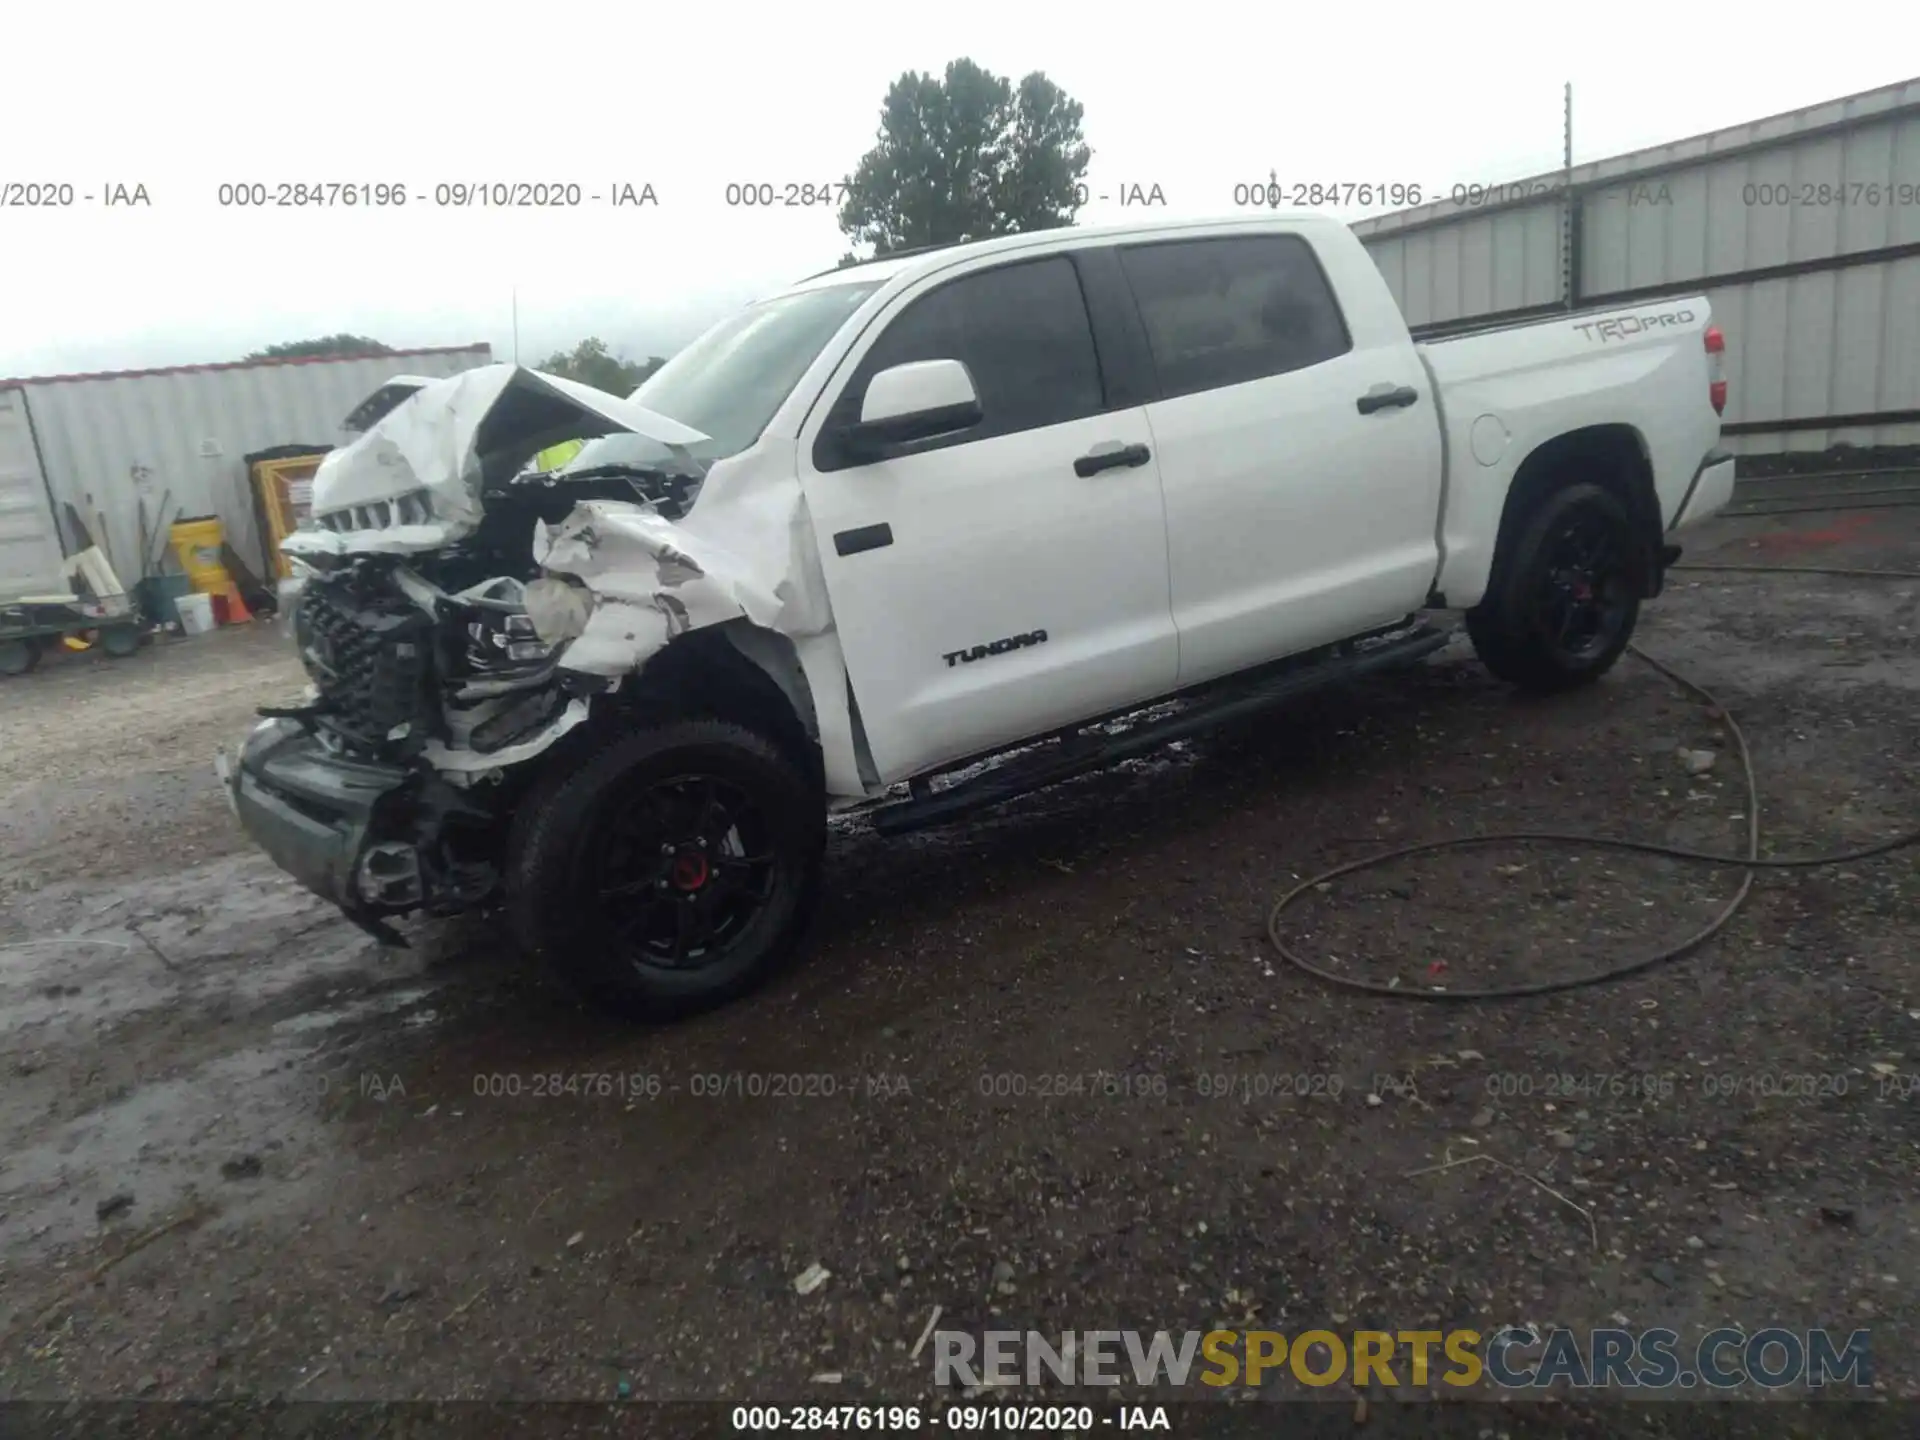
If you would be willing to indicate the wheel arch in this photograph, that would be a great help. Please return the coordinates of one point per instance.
(738, 671)
(1614, 456)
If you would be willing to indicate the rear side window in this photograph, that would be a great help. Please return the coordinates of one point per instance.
(1226, 311)
(1021, 329)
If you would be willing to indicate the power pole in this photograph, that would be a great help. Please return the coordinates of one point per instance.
(1569, 260)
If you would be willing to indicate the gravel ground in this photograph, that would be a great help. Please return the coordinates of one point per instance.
(1050, 1065)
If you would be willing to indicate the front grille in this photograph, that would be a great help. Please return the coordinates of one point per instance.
(372, 659)
(413, 508)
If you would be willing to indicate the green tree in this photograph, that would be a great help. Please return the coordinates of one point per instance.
(964, 157)
(343, 345)
(591, 363)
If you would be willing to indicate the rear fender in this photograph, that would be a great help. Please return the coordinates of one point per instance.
(1614, 456)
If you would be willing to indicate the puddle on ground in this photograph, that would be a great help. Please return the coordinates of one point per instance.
(223, 993)
(366, 1009)
(162, 1145)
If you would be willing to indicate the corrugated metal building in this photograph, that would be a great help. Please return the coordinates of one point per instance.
(1802, 229)
(137, 434)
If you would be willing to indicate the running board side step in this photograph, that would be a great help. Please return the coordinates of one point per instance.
(1021, 778)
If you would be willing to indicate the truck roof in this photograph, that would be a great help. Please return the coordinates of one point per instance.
(911, 264)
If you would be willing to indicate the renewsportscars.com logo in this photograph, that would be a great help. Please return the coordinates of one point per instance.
(1515, 1357)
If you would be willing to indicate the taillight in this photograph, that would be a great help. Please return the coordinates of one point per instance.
(1716, 344)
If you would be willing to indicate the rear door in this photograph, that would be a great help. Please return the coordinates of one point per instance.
(31, 561)
(984, 589)
(1296, 514)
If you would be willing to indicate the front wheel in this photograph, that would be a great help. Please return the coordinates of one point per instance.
(1562, 607)
(671, 870)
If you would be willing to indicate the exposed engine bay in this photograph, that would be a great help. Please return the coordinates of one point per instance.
(457, 650)
(460, 613)
(429, 670)
(425, 619)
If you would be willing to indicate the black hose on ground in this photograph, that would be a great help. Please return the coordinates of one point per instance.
(1748, 863)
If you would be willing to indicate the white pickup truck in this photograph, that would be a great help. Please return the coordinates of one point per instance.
(983, 502)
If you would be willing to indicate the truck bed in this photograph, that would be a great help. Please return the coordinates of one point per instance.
(1505, 389)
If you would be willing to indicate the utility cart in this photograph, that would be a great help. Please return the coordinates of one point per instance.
(29, 625)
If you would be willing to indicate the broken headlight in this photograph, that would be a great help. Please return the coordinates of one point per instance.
(504, 640)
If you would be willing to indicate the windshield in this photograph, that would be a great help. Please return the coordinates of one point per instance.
(625, 449)
(729, 382)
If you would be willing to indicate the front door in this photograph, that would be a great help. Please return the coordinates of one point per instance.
(984, 588)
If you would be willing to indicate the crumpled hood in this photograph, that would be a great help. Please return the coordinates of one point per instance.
(413, 481)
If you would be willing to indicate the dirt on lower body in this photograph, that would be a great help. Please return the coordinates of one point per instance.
(1043, 1071)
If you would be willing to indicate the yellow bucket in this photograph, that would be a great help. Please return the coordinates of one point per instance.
(197, 541)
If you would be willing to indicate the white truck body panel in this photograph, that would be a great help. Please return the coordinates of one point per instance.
(1009, 512)
(1533, 382)
(1292, 519)
(1264, 518)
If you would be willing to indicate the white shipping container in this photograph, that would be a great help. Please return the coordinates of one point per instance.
(137, 435)
(30, 553)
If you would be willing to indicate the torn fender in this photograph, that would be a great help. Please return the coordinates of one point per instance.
(653, 580)
(445, 443)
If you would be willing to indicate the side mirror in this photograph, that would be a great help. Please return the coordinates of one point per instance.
(916, 401)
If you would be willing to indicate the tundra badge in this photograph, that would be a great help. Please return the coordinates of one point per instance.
(995, 647)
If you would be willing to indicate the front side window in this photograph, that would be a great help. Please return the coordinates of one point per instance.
(1225, 311)
(730, 381)
(1022, 331)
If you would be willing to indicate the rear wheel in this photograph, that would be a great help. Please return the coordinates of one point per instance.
(671, 870)
(1565, 599)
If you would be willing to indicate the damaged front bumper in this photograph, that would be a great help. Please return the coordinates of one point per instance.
(375, 839)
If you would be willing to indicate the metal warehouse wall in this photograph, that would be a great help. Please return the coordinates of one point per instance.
(142, 433)
(1813, 275)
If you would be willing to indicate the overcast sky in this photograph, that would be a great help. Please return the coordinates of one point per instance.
(1193, 98)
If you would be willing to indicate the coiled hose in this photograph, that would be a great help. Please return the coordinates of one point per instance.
(1749, 863)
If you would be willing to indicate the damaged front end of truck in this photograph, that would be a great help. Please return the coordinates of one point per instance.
(460, 616)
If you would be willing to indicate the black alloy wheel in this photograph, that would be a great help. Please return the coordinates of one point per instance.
(1586, 592)
(1564, 597)
(682, 867)
(671, 868)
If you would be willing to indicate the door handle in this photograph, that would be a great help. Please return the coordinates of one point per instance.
(867, 537)
(1386, 396)
(1110, 456)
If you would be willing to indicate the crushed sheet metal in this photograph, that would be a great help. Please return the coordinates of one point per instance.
(439, 440)
(396, 540)
(735, 556)
(558, 608)
(458, 764)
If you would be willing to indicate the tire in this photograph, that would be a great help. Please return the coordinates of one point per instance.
(625, 818)
(17, 657)
(1565, 600)
(120, 641)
